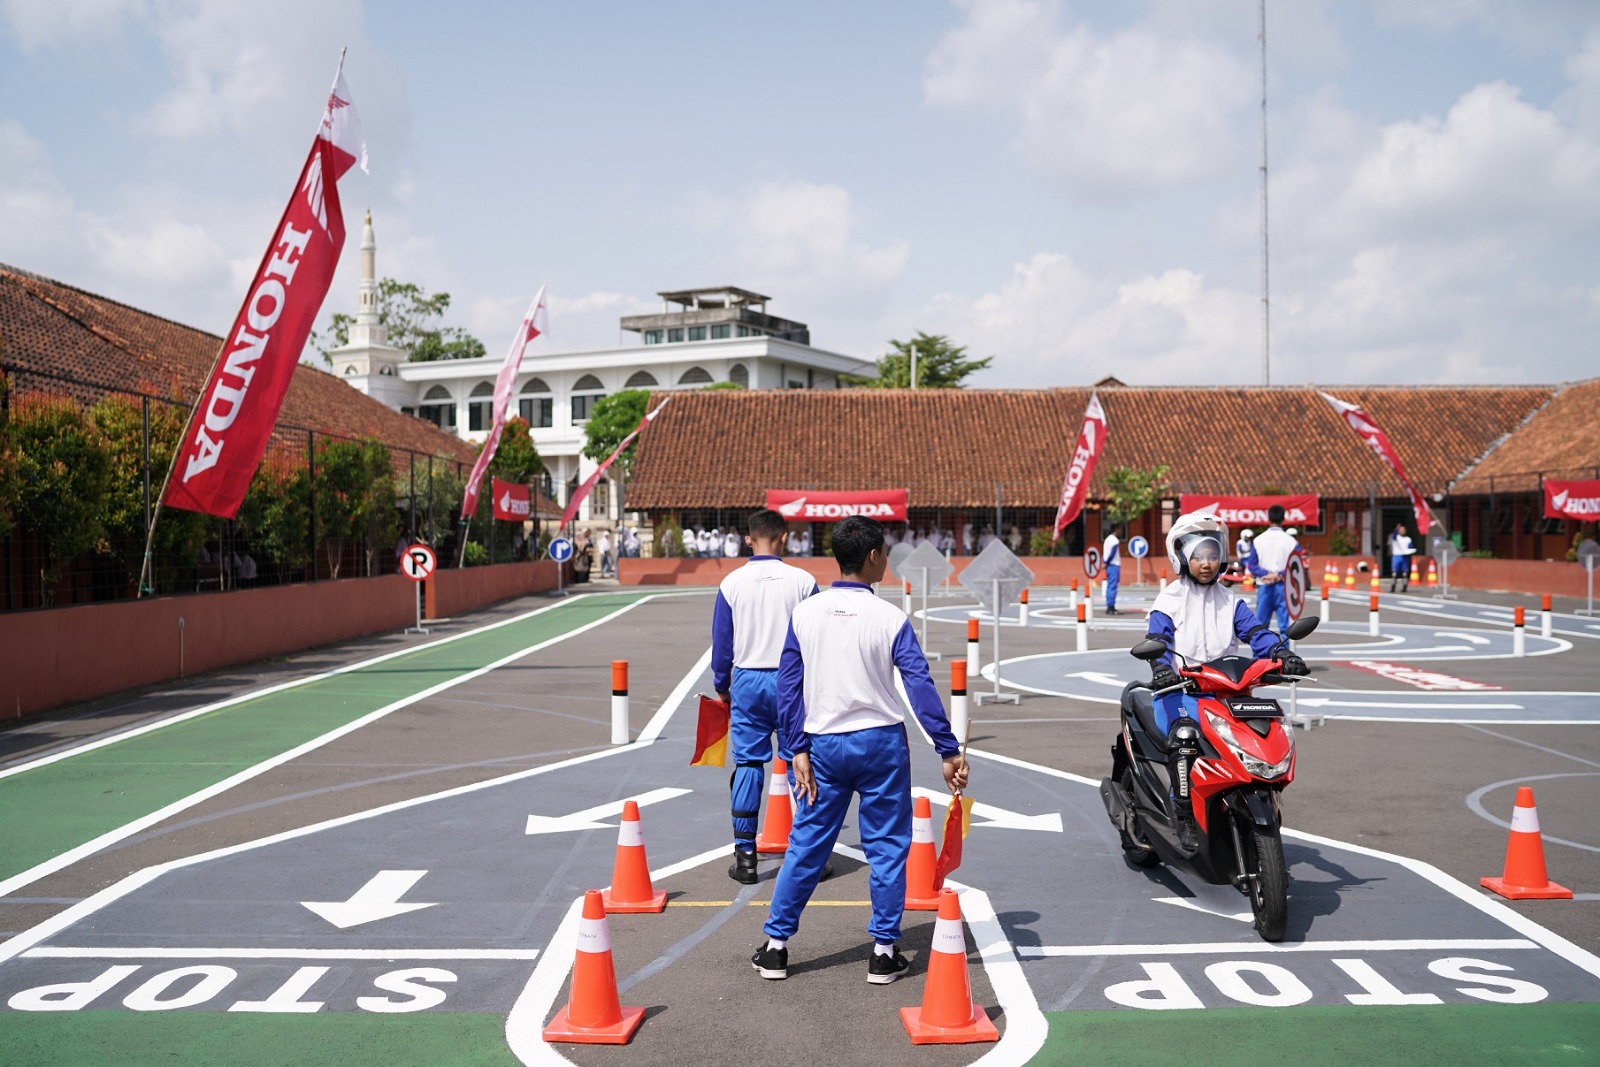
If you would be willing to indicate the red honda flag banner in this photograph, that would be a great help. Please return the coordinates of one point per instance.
(511, 501)
(1075, 487)
(599, 472)
(1378, 441)
(1572, 500)
(533, 324)
(1298, 509)
(232, 423)
(805, 505)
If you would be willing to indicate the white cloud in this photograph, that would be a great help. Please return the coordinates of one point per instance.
(1106, 114)
(44, 23)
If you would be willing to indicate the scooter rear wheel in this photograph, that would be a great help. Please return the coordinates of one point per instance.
(1269, 892)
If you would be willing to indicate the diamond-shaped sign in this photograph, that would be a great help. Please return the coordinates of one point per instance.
(897, 559)
(925, 567)
(1445, 550)
(997, 568)
(1589, 555)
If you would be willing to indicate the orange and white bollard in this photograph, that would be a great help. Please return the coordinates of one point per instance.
(1545, 621)
(1372, 615)
(1022, 607)
(1072, 598)
(905, 597)
(1163, 579)
(1325, 609)
(1082, 627)
(1519, 632)
(972, 646)
(958, 698)
(619, 702)
(1088, 601)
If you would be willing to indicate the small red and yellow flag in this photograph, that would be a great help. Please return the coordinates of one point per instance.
(711, 734)
(957, 822)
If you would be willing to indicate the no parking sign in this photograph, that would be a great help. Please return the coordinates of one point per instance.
(1091, 561)
(418, 562)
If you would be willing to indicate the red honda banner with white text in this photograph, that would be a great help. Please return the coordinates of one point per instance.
(1378, 441)
(533, 324)
(511, 501)
(1572, 500)
(589, 483)
(230, 427)
(808, 505)
(1075, 487)
(1298, 510)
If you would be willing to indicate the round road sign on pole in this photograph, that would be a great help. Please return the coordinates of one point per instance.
(560, 549)
(1294, 586)
(418, 562)
(1091, 561)
(1138, 547)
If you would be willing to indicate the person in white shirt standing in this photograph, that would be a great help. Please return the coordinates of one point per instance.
(841, 727)
(1400, 552)
(748, 624)
(1269, 559)
(1111, 556)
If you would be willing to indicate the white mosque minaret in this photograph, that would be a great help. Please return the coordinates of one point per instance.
(367, 361)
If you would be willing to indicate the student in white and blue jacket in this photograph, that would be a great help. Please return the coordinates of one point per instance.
(748, 624)
(841, 727)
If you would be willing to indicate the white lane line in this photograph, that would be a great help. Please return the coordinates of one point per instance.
(1475, 801)
(78, 750)
(32, 936)
(659, 720)
(1251, 948)
(61, 952)
(89, 848)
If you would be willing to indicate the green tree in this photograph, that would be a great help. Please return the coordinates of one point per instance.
(276, 512)
(614, 418)
(413, 317)
(1133, 491)
(940, 365)
(62, 470)
(355, 499)
(179, 533)
(516, 459)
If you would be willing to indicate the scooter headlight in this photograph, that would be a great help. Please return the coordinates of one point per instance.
(1254, 764)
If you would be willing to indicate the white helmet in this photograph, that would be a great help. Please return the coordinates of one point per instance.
(1191, 530)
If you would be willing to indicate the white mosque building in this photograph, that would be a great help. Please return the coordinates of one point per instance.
(700, 337)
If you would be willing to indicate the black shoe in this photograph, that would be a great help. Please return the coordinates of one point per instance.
(743, 868)
(885, 969)
(1188, 834)
(1113, 611)
(773, 963)
(827, 872)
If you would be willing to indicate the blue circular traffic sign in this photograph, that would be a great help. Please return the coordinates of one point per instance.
(560, 549)
(1138, 547)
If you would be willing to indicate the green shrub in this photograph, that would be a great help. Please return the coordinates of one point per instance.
(477, 555)
(1341, 542)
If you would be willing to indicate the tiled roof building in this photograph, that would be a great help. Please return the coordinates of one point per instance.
(1560, 440)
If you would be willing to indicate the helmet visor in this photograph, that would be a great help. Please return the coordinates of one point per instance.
(1206, 545)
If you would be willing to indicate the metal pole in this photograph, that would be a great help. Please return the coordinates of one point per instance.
(144, 404)
(925, 652)
(311, 487)
(998, 529)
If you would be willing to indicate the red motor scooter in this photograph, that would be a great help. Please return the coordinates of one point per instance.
(1228, 774)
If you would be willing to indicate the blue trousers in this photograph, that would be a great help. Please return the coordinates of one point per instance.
(752, 719)
(876, 765)
(1113, 583)
(1270, 601)
(1174, 706)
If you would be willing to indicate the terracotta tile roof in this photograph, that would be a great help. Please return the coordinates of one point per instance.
(949, 448)
(1562, 439)
(49, 327)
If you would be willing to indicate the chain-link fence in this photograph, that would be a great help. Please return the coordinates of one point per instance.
(81, 470)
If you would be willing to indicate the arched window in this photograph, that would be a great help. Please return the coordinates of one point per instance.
(537, 411)
(588, 381)
(480, 412)
(694, 376)
(583, 402)
(535, 385)
(739, 375)
(438, 408)
(640, 379)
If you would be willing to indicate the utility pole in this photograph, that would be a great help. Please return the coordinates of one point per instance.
(1266, 289)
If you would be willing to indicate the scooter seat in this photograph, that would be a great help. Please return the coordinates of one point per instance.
(1138, 697)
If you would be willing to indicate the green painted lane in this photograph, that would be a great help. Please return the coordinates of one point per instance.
(215, 1039)
(51, 809)
(1491, 1035)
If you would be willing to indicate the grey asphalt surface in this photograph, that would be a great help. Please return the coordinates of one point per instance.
(1401, 788)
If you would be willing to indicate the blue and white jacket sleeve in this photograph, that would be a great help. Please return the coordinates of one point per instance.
(1253, 565)
(1161, 627)
(925, 702)
(792, 736)
(1253, 632)
(721, 644)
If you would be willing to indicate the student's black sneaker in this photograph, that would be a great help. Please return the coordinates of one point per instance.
(743, 868)
(1188, 834)
(771, 962)
(885, 969)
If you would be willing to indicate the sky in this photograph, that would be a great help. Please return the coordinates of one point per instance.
(1071, 188)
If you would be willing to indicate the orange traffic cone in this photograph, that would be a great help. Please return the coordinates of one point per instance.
(1433, 575)
(922, 894)
(1525, 877)
(948, 1015)
(594, 1015)
(1249, 582)
(1349, 576)
(774, 835)
(1373, 585)
(631, 890)
(1415, 578)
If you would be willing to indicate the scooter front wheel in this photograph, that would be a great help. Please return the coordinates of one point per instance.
(1269, 890)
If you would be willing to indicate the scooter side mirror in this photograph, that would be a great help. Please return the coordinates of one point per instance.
(1152, 648)
(1302, 627)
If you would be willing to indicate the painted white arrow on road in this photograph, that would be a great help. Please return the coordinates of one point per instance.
(589, 818)
(378, 899)
(1050, 821)
(1421, 703)
(1474, 639)
(1103, 679)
